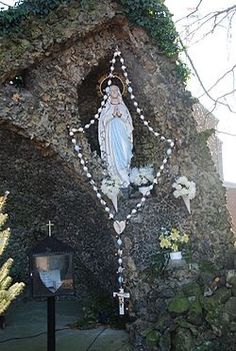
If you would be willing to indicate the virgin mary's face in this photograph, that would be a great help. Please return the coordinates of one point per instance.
(114, 92)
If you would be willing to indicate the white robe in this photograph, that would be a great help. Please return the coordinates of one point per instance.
(116, 141)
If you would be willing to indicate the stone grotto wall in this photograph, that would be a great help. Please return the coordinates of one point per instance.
(61, 64)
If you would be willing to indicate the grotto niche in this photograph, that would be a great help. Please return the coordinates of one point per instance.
(41, 186)
(178, 306)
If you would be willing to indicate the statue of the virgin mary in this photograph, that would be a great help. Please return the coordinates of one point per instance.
(115, 137)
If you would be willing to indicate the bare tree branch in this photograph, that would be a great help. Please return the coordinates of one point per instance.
(191, 13)
(211, 16)
(3, 3)
(231, 70)
(202, 85)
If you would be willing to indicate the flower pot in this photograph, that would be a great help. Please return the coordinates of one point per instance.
(176, 255)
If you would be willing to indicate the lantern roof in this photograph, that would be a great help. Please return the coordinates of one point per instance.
(50, 245)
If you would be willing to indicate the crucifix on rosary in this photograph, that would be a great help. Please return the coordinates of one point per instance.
(121, 296)
(50, 225)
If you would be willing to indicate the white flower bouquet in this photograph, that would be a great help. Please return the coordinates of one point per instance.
(142, 176)
(185, 188)
(111, 188)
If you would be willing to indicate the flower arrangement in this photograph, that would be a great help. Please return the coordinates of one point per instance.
(184, 187)
(142, 176)
(110, 187)
(173, 240)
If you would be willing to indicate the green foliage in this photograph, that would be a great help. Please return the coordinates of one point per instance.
(152, 15)
(12, 18)
(155, 18)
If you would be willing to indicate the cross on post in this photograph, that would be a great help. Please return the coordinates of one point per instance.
(50, 225)
(121, 296)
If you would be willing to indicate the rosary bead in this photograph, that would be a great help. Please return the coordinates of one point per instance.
(81, 129)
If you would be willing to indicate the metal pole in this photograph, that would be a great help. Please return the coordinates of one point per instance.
(51, 324)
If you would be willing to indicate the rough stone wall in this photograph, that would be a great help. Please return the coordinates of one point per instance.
(51, 100)
(42, 188)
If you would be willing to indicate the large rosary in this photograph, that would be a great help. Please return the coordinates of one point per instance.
(119, 226)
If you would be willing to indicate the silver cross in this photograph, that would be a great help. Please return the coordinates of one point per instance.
(121, 296)
(50, 225)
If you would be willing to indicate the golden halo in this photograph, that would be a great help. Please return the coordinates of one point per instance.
(116, 80)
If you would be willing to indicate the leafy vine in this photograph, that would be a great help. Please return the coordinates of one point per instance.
(152, 15)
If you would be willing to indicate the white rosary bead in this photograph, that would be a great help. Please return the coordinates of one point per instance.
(87, 126)
(105, 97)
(169, 141)
(103, 103)
(77, 148)
(125, 74)
(99, 195)
(139, 205)
(100, 109)
(164, 161)
(95, 188)
(162, 167)
(113, 60)
(135, 104)
(73, 141)
(143, 199)
(96, 116)
(142, 117)
(107, 209)
(74, 130)
(120, 260)
(109, 82)
(123, 67)
(156, 134)
(92, 121)
(151, 187)
(158, 174)
(111, 216)
(82, 162)
(145, 123)
(80, 155)
(81, 129)
(112, 68)
(130, 90)
(138, 110)
(128, 216)
(122, 60)
(89, 175)
(151, 129)
(103, 202)
(71, 134)
(85, 169)
(163, 138)
(148, 193)
(134, 211)
(172, 144)
(119, 242)
(155, 181)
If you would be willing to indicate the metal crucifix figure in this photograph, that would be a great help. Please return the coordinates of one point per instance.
(121, 296)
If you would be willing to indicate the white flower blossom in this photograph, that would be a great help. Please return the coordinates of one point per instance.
(141, 176)
(110, 187)
(184, 187)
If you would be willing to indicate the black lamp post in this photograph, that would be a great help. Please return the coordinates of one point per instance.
(51, 274)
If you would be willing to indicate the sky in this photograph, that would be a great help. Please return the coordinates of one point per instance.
(212, 57)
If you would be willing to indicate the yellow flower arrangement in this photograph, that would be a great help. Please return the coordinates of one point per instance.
(173, 239)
